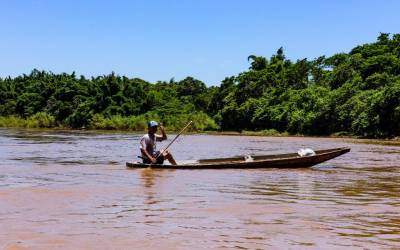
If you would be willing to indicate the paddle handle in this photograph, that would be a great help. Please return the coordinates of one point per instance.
(176, 137)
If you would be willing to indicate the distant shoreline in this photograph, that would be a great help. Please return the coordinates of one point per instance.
(348, 138)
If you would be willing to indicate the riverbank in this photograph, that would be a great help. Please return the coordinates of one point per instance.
(265, 133)
(201, 122)
(348, 138)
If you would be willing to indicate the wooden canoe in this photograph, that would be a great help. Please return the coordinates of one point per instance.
(262, 161)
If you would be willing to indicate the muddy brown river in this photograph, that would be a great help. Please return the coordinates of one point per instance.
(71, 190)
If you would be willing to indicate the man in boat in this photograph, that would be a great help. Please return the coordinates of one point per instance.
(148, 146)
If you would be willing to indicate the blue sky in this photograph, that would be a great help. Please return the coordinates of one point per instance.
(158, 40)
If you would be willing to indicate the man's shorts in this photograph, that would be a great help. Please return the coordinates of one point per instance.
(158, 156)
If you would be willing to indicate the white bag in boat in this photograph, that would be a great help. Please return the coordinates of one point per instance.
(306, 152)
(248, 158)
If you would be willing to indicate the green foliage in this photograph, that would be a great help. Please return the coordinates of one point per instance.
(136, 123)
(201, 122)
(265, 132)
(12, 122)
(38, 120)
(354, 93)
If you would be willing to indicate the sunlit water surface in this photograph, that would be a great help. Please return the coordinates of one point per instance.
(71, 190)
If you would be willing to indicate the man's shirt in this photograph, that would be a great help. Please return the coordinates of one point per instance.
(148, 143)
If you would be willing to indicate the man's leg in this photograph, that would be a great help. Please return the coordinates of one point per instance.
(169, 157)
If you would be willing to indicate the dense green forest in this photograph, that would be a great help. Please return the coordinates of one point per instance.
(355, 93)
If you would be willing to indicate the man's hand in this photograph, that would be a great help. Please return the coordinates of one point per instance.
(164, 136)
(153, 160)
(161, 127)
(164, 152)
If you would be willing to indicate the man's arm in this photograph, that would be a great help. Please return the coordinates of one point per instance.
(150, 157)
(163, 135)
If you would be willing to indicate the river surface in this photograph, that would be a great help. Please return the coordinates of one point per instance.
(71, 190)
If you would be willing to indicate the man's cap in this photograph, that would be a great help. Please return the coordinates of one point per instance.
(152, 124)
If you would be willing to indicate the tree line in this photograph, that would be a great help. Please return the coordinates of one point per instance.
(355, 93)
